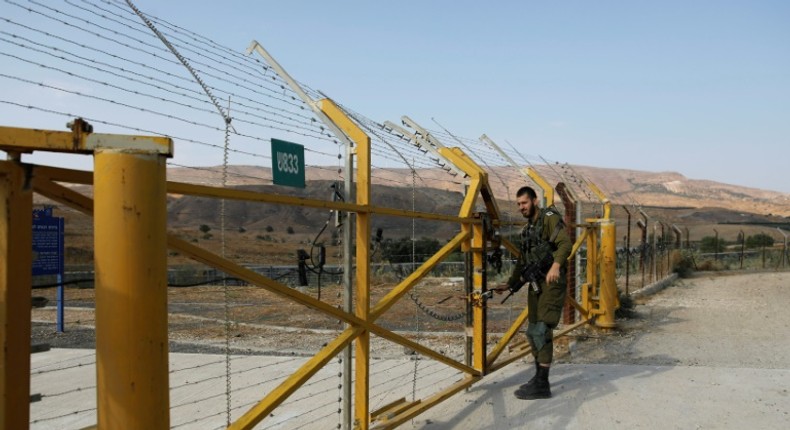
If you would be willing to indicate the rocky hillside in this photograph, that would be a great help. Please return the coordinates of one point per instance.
(660, 189)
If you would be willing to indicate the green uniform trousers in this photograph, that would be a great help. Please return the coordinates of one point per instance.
(545, 310)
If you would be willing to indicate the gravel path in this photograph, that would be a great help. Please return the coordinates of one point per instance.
(723, 320)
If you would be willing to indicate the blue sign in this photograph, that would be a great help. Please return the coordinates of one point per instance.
(47, 243)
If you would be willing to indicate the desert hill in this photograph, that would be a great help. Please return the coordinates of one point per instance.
(622, 186)
(694, 205)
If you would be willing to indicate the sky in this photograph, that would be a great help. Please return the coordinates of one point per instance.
(701, 88)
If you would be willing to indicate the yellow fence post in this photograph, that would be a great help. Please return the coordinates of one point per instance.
(479, 306)
(16, 219)
(130, 216)
(362, 150)
(607, 292)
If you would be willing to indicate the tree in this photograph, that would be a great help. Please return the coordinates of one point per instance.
(269, 229)
(289, 230)
(204, 228)
(709, 244)
(759, 240)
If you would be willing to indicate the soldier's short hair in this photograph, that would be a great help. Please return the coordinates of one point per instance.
(526, 190)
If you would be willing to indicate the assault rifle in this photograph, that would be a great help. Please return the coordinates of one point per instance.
(533, 273)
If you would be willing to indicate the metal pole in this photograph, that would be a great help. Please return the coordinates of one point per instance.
(763, 255)
(655, 252)
(716, 250)
(664, 246)
(348, 285)
(130, 219)
(362, 275)
(16, 235)
(478, 252)
(627, 251)
(742, 238)
(642, 263)
(578, 258)
(784, 248)
(61, 303)
(569, 203)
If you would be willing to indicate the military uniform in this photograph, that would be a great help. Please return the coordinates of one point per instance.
(545, 301)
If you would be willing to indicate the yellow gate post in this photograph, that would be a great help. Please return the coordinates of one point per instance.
(607, 292)
(130, 216)
(362, 364)
(479, 307)
(16, 224)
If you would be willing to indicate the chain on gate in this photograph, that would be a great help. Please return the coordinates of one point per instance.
(432, 313)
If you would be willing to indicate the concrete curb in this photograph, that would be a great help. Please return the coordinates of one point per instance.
(655, 287)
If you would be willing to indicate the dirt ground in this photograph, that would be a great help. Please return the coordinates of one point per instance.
(733, 323)
(711, 319)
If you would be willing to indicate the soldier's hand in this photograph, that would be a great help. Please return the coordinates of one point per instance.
(554, 273)
(500, 289)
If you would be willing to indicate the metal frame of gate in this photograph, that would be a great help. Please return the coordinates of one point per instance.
(131, 241)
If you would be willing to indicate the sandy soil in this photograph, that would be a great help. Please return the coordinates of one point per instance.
(711, 319)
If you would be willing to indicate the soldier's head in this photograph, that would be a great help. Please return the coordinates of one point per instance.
(527, 200)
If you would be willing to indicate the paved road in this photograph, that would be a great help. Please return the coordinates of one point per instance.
(711, 352)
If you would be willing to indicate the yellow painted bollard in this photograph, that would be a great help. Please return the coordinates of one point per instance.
(131, 290)
(608, 287)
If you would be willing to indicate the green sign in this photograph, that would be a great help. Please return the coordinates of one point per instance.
(287, 163)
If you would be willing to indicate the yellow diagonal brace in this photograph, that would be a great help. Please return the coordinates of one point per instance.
(330, 108)
(508, 336)
(607, 205)
(511, 247)
(478, 177)
(426, 404)
(490, 201)
(548, 190)
(577, 306)
(578, 244)
(463, 162)
(396, 293)
(85, 204)
(275, 397)
(386, 334)
(61, 194)
(71, 176)
(199, 254)
(468, 206)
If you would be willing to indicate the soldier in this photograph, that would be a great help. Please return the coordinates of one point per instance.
(545, 247)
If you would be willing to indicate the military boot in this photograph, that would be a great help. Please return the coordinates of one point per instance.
(540, 389)
(531, 382)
